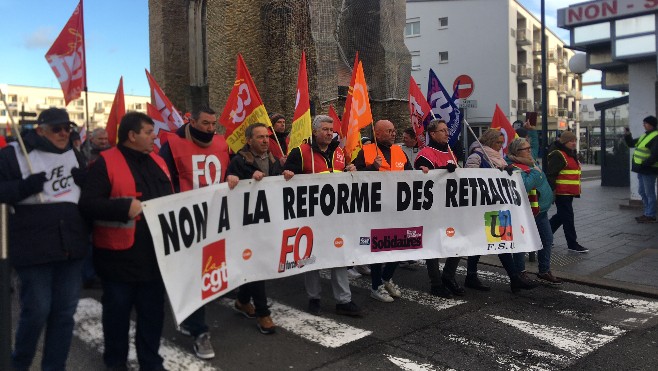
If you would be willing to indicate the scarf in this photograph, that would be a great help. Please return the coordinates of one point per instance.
(495, 157)
(522, 160)
(198, 137)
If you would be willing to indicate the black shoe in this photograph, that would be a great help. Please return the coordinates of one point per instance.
(473, 282)
(452, 285)
(349, 309)
(522, 282)
(314, 306)
(579, 249)
(441, 291)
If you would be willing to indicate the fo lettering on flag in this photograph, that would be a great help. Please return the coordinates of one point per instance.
(360, 114)
(66, 57)
(243, 108)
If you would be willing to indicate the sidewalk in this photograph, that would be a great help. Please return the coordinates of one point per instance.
(623, 255)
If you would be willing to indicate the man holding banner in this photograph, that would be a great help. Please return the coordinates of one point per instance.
(196, 157)
(323, 156)
(124, 252)
(383, 155)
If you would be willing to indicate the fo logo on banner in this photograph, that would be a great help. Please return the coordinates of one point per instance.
(498, 226)
(215, 274)
(396, 239)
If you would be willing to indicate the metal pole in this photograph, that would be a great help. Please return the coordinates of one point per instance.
(544, 91)
(5, 294)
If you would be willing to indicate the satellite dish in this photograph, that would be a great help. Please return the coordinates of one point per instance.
(578, 63)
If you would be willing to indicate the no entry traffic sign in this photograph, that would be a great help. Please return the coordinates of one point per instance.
(464, 86)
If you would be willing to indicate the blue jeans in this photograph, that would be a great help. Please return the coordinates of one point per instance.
(119, 298)
(543, 255)
(647, 190)
(49, 297)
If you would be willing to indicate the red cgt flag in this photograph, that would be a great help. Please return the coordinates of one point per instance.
(301, 122)
(116, 114)
(243, 108)
(500, 122)
(337, 123)
(418, 109)
(66, 57)
(168, 118)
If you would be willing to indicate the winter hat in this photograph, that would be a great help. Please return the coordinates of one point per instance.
(567, 136)
(651, 120)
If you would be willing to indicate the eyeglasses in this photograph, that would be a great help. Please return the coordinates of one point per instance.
(439, 130)
(57, 129)
(524, 149)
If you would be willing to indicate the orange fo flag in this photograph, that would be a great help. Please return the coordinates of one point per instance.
(168, 118)
(243, 108)
(301, 129)
(360, 114)
(116, 113)
(337, 123)
(66, 57)
(348, 102)
(500, 122)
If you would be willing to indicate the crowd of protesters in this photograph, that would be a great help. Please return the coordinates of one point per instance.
(76, 192)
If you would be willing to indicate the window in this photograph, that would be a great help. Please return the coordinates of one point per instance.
(3, 112)
(443, 57)
(98, 105)
(415, 60)
(412, 28)
(80, 103)
(138, 106)
(13, 98)
(513, 103)
(443, 23)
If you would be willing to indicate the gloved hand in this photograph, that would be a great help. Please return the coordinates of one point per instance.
(32, 184)
(509, 169)
(79, 176)
(451, 167)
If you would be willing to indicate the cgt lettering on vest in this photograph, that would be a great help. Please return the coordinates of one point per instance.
(341, 198)
(464, 192)
(189, 225)
(59, 182)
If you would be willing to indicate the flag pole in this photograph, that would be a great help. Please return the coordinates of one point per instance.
(84, 59)
(477, 140)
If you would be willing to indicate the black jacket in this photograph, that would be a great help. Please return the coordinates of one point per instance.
(138, 263)
(243, 165)
(645, 167)
(294, 161)
(39, 233)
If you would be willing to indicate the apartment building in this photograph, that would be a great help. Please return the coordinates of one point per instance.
(495, 47)
(36, 99)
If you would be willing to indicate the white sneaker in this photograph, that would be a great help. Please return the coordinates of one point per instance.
(351, 273)
(392, 289)
(381, 294)
(363, 269)
(203, 347)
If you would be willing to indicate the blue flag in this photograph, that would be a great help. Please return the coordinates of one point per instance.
(444, 107)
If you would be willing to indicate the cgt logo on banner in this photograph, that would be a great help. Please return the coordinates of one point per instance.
(215, 274)
(390, 239)
(498, 229)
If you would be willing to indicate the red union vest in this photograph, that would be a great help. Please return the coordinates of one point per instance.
(568, 179)
(533, 197)
(199, 166)
(118, 235)
(398, 158)
(275, 150)
(319, 163)
(438, 158)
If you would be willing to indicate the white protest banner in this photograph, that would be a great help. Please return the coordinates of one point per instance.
(211, 240)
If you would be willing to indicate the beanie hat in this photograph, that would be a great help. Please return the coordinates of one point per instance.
(651, 120)
(567, 136)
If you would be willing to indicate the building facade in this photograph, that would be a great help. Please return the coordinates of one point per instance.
(497, 45)
(36, 99)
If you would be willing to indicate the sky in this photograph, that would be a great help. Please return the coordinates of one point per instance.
(117, 42)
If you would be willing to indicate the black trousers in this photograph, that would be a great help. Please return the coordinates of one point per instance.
(434, 272)
(256, 291)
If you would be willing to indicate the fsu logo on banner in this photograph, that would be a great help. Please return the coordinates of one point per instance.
(498, 226)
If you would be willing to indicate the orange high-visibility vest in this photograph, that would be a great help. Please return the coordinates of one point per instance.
(568, 180)
(398, 158)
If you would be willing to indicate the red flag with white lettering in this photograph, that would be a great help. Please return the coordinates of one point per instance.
(170, 118)
(116, 114)
(418, 109)
(66, 57)
(500, 122)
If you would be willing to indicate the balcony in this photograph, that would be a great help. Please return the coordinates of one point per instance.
(552, 111)
(523, 37)
(537, 106)
(524, 105)
(523, 72)
(552, 84)
(551, 55)
(536, 79)
(536, 49)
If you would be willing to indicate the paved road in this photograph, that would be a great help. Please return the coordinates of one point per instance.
(570, 327)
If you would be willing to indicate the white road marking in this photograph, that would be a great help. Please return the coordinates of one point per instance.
(88, 328)
(649, 308)
(321, 330)
(421, 298)
(578, 343)
(409, 365)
